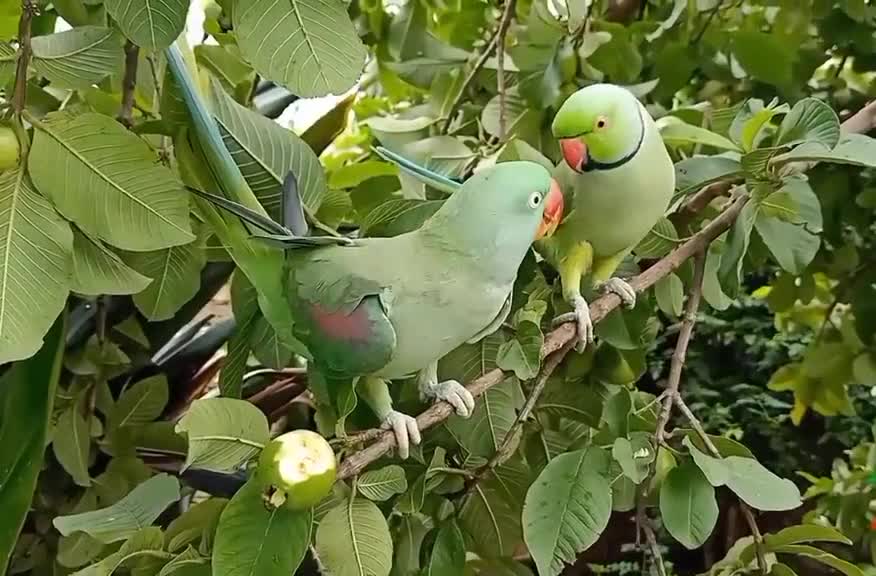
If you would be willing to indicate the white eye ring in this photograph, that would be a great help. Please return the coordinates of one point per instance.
(535, 199)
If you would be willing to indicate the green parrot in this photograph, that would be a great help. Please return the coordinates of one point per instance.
(618, 179)
(377, 309)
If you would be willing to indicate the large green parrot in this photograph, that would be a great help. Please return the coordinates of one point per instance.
(377, 309)
(618, 180)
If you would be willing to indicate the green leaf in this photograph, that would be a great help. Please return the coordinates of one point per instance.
(197, 523)
(185, 562)
(669, 291)
(825, 558)
(98, 270)
(265, 152)
(483, 432)
(140, 404)
(127, 516)
(78, 58)
(150, 24)
(491, 514)
(634, 456)
(398, 215)
(805, 533)
(779, 569)
(660, 241)
(522, 354)
(145, 545)
(688, 506)
(35, 266)
(223, 433)
(854, 149)
(353, 540)
(176, 278)
(316, 52)
(27, 392)
(735, 248)
(764, 56)
(810, 120)
(225, 62)
(748, 126)
(792, 243)
(448, 554)
(382, 484)
(72, 443)
(693, 173)
(754, 484)
(520, 119)
(677, 132)
(253, 538)
(567, 508)
(123, 195)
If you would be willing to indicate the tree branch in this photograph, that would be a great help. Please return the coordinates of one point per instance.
(862, 121)
(500, 62)
(19, 98)
(129, 83)
(560, 337)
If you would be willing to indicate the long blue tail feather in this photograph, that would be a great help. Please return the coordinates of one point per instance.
(421, 173)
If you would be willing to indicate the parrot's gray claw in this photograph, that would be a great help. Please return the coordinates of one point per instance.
(620, 287)
(456, 395)
(405, 429)
(581, 316)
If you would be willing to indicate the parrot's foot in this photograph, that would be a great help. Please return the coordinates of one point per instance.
(620, 287)
(405, 429)
(454, 394)
(581, 316)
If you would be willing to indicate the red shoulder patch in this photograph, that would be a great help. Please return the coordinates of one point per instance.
(352, 326)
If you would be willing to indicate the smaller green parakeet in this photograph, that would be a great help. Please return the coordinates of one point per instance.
(376, 309)
(618, 179)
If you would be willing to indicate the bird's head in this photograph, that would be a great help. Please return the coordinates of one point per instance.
(599, 127)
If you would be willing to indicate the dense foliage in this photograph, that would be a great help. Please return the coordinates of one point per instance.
(131, 422)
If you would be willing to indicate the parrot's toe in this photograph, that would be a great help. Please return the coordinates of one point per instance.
(585, 324)
(456, 395)
(406, 431)
(620, 287)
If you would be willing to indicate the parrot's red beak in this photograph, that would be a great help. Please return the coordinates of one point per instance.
(553, 211)
(574, 152)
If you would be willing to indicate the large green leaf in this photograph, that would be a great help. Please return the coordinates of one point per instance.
(567, 508)
(789, 222)
(757, 486)
(71, 444)
(353, 540)
(382, 484)
(810, 120)
(676, 132)
(150, 24)
(254, 539)
(98, 270)
(688, 506)
(308, 46)
(35, 266)
(108, 181)
(223, 433)
(854, 149)
(825, 558)
(176, 278)
(27, 390)
(127, 516)
(448, 553)
(79, 57)
(140, 404)
(495, 411)
(265, 152)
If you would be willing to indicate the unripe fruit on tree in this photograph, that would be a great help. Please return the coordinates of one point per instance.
(10, 151)
(298, 468)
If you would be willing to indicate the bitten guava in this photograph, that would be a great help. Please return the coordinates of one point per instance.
(298, 469)
(10, 150)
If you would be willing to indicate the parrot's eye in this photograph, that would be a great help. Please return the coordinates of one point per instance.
(535, 199)
(601, 123)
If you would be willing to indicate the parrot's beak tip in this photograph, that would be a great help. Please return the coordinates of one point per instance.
(553, 211)
(574, 153)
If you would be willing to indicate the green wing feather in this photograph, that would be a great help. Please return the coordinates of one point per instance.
(421, 173)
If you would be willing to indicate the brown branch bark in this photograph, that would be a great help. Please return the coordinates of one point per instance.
(500, 62)
(19, 97)
(559, 338)
(862, 121)
(129, 83)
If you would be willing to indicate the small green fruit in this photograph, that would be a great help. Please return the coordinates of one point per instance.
(10, 151)
(298, 468)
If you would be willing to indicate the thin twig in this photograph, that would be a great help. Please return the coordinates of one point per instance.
(19, 98)
(684, 336)
(457, 102)
(558, 338)
(500, 62)
(645, 525)
(506, 448)
(705, 27)
(129, 83)
(747, 513)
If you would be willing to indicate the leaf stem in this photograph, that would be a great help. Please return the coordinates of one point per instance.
(457, 102)
(19, 98)
(500, 62)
